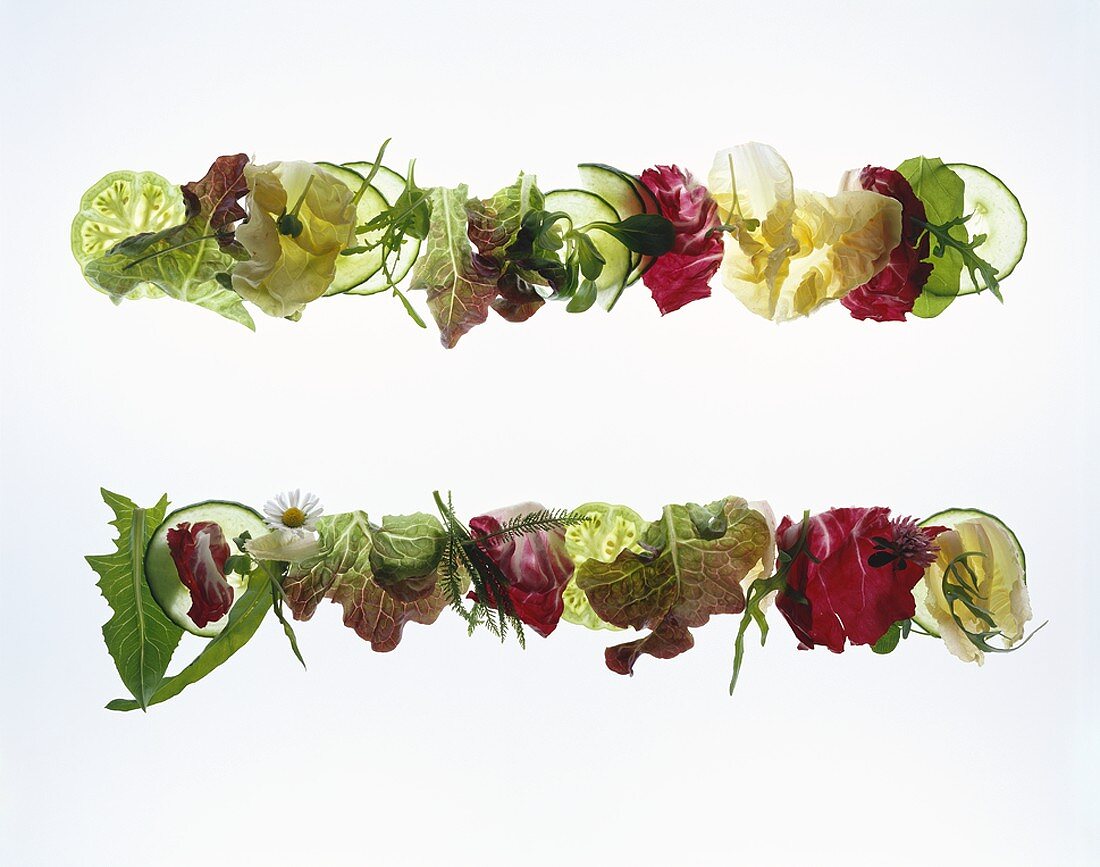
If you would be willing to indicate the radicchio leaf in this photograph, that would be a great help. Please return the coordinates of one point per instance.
(199, 552)
(342, 572)
(853, 578)
(694, 561)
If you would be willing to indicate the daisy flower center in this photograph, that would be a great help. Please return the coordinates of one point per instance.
(294, 517)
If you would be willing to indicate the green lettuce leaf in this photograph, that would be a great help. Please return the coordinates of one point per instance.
(459, 296)
(941, 191)
(694, 559)
(405, 552)
(139, 637)
(342, 572)
(244, 619)
(188, 262)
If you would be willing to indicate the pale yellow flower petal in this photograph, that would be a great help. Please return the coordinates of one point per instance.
(285, 273)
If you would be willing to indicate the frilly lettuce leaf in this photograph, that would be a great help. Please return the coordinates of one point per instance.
(459, 296)
(692, 563)
(606, 531)
(342, 572)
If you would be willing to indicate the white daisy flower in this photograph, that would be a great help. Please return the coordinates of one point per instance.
(292, 513)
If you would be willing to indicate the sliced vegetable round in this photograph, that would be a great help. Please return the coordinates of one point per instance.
(354, 270)
(391, 185)
(627, 195)
(121, 205)
(585, 207)
(997, 215)
(951, 518)
(160, 569)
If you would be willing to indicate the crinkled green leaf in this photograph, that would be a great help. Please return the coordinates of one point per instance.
(183, 264)
(405, 547)
(694, 559)
(342, 572)
(245, 618)
(941, 191)
(139, 637)
(494, 223)
(458, 296)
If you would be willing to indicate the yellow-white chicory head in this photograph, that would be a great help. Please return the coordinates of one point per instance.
(994, 581)
(286, 271)
(804, 248)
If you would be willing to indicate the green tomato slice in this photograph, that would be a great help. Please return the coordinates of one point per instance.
(121, 205)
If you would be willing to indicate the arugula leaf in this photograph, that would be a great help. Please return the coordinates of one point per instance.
(186, 261)
(941, 191)
(244, 619)
(139, 637)
(458, 295)
(694, 559)
(342, 572)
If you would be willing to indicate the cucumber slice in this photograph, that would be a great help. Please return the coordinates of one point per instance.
(951, 518)
(627, 195)
(353, 271)
(160, 570)
(585, 207)
(121, 205)
(997, 215)
(391, 185)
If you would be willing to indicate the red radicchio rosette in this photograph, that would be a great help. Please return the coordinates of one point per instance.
(199, 552)
(891, 293)
(683, 274)
(536, 565)
(854, 576)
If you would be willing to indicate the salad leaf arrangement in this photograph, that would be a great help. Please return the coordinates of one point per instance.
(890, 243)
(843, 578)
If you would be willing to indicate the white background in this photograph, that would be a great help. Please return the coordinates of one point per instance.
(459, 751)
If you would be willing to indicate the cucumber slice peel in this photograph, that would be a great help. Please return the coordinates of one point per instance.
(391, 185)
(996, 213)
(629, 196)
(354, 270)
(160, 570)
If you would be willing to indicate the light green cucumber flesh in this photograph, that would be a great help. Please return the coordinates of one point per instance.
(353, 271)
(997, 215)
(160, 570)
(585, 207)
(391, 185)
